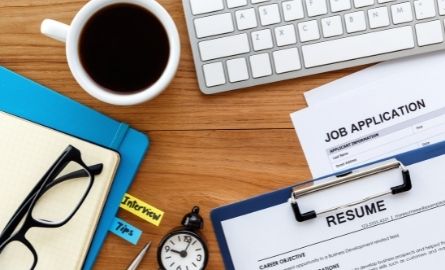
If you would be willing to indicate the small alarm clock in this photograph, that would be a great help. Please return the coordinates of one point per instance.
(184, 248)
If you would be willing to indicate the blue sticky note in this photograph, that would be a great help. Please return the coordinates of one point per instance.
(125, 230)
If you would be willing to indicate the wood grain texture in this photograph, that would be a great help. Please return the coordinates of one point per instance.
(206, 150)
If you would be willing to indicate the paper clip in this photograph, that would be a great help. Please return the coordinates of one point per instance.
(298, 192)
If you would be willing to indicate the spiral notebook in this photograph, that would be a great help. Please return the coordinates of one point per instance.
(28, 150)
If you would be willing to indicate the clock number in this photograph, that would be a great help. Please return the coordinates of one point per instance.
(178, 268)
(167, 248)
(187, 239)
(199, 257)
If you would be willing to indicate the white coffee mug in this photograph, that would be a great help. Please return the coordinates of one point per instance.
(70, 34)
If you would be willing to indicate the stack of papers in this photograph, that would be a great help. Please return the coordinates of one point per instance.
(381, 111)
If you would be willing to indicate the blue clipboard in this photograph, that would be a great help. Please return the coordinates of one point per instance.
(264, 201)
(26, 99)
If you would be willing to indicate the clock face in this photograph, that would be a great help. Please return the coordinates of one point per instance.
(183, 251)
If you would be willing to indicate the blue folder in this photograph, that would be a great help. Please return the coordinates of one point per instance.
(26, 99)
(264, 201)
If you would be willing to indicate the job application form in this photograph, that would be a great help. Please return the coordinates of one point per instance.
(372, 123)
(394, 232)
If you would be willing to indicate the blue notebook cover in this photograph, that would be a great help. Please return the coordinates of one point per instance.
(274, 198)
(26, 99)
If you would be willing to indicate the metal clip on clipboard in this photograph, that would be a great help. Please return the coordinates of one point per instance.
(347, 178)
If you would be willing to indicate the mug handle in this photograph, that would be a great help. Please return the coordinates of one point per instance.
(54, 29)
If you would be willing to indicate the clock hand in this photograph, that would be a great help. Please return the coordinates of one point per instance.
(188, 246)
(183, 253)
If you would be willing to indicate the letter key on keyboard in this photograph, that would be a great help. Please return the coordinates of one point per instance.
(243, 43)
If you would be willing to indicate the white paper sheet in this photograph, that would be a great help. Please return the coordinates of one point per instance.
(376, 121)
(405, 233)
(410, 68)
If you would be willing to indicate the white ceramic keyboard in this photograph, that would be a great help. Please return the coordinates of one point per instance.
(242, 43)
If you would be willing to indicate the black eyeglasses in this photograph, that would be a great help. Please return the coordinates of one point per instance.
(48, 205)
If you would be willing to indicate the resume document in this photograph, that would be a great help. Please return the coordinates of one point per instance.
(394, 232)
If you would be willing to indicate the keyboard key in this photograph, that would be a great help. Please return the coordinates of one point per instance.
(402, 13)
(441, 7)
(363, 3)
(259, 1)
(287, 60)
(269, 14)
(355, 22)
(316, 7)
(214, 25)
(425, 9)
(285, 35)
(246, 19)
(260, 65)
(206, 6)
(340, 5)
(332, 26)
(262, 40)
(308, 31)
(293, 10)
(214, 74)
(237, 70)
(385, 1)
(224, 47)
(378, 17)
(429, 33)
(236, 3)
(358, 46)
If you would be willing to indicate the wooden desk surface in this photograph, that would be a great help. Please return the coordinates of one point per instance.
(206, 150)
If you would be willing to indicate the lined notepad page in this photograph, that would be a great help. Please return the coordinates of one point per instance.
(27, 150)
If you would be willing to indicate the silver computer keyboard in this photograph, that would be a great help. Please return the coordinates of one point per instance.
(242, 43)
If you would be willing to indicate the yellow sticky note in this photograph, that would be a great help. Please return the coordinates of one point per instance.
(142, 209)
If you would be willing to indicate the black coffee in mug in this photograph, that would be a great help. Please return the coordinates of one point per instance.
(124, 48)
